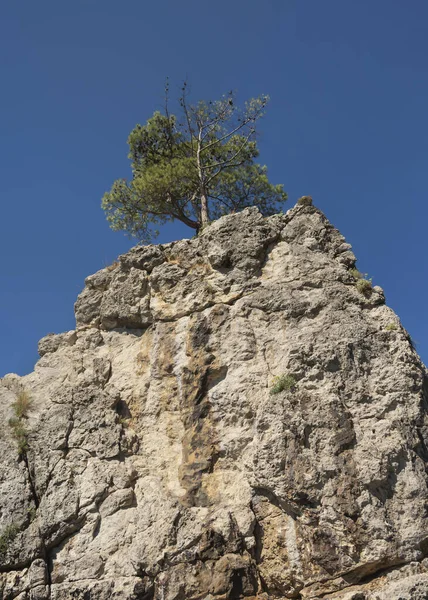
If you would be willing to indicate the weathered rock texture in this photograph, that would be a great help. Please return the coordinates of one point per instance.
(158, 465)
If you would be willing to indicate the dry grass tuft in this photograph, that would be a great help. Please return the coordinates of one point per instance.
(22, 404)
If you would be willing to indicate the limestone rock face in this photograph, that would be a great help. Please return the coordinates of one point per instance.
(154, 462)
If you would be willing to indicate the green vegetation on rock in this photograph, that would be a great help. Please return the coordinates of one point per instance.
(281, 383)
(21, 406)
(363, 284)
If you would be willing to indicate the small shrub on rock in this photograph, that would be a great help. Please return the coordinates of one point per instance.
(391, 327)
(22, 404)
(20, 434)
(356, 274)
(364, 286)
(281, 383)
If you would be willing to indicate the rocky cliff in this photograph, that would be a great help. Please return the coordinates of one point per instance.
(235, 416)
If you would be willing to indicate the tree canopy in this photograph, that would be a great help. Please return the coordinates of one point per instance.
(195, 168)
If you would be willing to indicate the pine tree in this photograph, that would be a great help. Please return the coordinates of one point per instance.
(194, 169)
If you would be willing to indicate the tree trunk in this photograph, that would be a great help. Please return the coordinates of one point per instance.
(204, 209)
(204, 215)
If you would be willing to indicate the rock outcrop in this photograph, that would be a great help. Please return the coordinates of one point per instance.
(233, 417)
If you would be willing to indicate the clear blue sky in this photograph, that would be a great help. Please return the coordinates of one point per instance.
(347, 124)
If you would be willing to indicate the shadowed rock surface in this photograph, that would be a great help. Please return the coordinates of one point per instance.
(154, 463)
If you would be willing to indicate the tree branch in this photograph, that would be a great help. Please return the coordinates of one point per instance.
(245, 122)
(232, 158)
(186, 113)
